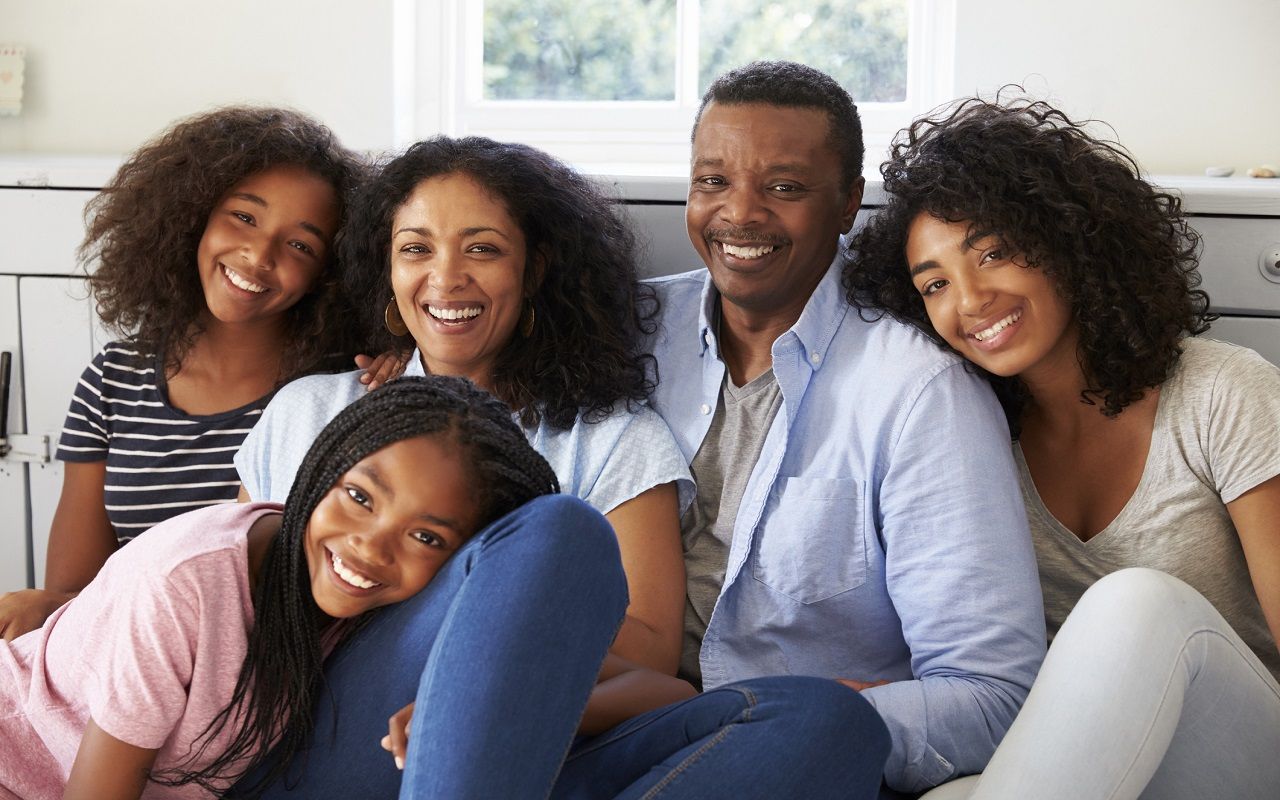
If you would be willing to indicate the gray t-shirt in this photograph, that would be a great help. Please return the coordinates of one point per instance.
(1216, 436)
(721, 470)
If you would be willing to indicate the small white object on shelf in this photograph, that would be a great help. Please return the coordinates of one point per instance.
(12, 59)
(1219, 172)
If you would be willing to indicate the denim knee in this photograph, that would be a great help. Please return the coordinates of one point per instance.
(562, 523)
(830, 712)
(564, 530)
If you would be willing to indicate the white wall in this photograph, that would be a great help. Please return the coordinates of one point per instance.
(1185, 83)
(102, 76)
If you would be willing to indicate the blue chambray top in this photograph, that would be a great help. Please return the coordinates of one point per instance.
(881, 536)
(604, 463)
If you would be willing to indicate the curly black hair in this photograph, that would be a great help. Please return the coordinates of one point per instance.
(145, 226)
(1117, 249)
(584, 355)
(791, 85)
(282, 674)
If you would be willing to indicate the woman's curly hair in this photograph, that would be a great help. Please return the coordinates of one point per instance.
(1116, 248)
(584, 354)
(145, 227)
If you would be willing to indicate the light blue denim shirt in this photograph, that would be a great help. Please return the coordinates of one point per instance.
(605, 463)
(882, 535)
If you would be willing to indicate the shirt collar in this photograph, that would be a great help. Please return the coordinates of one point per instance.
(823, 313)
(818, 322)
(414, 368)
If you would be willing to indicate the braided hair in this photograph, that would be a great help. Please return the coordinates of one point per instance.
(283, 668)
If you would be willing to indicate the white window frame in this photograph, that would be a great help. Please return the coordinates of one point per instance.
(437, 65)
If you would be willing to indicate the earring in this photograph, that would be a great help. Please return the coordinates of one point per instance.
(392, 319)
(527, 319)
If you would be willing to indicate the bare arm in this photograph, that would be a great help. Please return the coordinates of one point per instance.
(648, 530)
(626, 690)
(80, 541)
(107, 768)
(81, 538)
(1256, 516)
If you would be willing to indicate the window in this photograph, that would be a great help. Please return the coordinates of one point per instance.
(613, 85)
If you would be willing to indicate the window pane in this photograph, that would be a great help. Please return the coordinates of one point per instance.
(861, 43)
(579, 49)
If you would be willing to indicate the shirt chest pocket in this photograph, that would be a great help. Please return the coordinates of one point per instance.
(813, 545)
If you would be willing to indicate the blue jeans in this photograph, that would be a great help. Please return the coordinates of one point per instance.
(500, 651)
(774, 737)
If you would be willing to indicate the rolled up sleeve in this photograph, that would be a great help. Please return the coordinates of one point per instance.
(961, 572)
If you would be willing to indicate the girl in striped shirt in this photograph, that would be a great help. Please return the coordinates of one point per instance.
(211, 249)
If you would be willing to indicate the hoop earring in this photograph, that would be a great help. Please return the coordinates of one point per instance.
(527, 318)
(392, 319)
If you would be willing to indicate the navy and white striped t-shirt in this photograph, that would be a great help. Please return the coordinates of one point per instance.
(161, 462)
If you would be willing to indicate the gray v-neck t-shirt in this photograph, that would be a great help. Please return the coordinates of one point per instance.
(1216, 436)
(721, 469)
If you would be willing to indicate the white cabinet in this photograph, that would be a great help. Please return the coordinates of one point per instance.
(47, 325)
(57, 339)
(15, 545)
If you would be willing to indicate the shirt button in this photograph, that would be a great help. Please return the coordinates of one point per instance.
(706, 337)
(815, 358)
(706, 409)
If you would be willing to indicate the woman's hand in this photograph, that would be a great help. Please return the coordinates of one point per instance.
(382, 368)
(25, 610)
(859, 686)
(397, 739)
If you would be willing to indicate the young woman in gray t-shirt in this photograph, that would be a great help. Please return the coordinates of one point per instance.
(1037, 252)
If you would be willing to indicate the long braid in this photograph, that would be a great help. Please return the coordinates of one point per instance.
(283, 668)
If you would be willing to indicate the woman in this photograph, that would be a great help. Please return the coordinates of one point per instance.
(1036, 251)
(504, 266)
(507, 267)
(202, 644)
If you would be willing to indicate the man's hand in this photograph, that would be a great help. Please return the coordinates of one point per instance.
(397, 739)
(858, 686)
(25, 610)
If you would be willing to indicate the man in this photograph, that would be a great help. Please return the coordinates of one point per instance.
(858, 513)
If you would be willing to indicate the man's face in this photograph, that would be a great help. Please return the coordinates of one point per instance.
(767, 204)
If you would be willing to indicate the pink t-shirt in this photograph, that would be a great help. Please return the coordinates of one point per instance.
(150, 650)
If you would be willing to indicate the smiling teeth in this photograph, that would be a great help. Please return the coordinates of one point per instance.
(746, 252)
(454, 314)
(984, 335)
(354, 578)
(242, 283)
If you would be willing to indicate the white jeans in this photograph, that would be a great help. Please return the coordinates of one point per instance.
(1146, 692)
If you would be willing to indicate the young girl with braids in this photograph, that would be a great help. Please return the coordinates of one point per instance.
(211, 250)
(420, 515)
(1150, 459)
